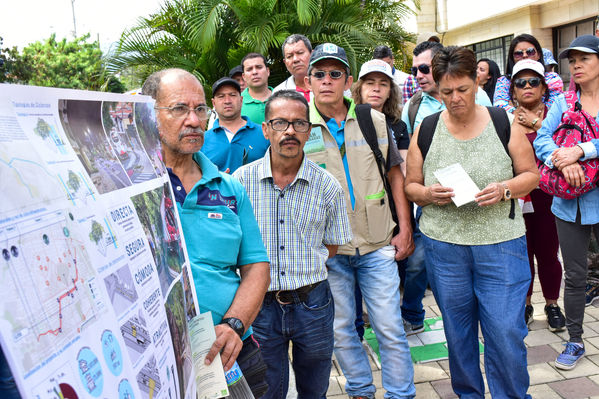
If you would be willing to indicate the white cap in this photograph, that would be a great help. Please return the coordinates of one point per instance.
(375, 66)
(531, 65)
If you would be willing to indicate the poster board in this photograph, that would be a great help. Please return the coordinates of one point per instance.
(94, 272)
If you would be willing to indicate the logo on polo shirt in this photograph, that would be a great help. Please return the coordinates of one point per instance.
(209, 197)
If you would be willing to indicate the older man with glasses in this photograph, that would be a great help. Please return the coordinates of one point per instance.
(221, 233)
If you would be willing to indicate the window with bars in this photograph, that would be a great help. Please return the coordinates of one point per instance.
(494, 49)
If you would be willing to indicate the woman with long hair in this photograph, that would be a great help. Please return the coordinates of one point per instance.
(575, 218)
(527, 91)
(524, 47)
(488, 72)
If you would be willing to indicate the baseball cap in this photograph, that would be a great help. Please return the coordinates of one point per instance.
(375, 66)
(328, 51)
(225, 82)
(584, 43)
(548, 57)
(237, 69)
(528, 64)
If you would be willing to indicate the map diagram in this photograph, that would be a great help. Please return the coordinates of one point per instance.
(49, 282)
(121, 289)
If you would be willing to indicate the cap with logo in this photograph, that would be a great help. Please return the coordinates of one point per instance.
(225, 82)
(327, 51)
(375, 66)
(584, 43)
(548, 57)
(528, 64)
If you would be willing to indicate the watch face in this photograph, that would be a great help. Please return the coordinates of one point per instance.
(235, 324)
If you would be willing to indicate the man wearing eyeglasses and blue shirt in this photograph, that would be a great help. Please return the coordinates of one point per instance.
(337, 144)
(221, 233)
(300, 209)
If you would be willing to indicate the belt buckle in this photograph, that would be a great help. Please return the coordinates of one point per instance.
(279, 299)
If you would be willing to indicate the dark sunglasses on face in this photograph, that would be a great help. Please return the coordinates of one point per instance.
(333, 74)
(531, 51)
(425, 69)
(521, 82)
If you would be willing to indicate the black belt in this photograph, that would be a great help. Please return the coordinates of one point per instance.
(287, 297)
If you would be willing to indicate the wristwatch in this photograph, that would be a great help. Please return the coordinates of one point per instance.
(507, 193)
(235, 324)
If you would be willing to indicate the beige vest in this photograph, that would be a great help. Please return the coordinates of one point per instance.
(371, 221)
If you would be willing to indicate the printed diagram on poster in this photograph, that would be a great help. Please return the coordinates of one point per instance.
(97, 291)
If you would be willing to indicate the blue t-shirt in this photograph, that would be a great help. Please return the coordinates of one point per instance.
(247, 145)
(338, 132)
(221, 234)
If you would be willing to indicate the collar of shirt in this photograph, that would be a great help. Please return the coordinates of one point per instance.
(349, 104)
(265, 172)
(209, 172)
(248, 125)
(247, 98)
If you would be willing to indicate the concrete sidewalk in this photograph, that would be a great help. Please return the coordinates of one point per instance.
(546, 382)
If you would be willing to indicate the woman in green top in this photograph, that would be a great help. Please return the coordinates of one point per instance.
(476, 252)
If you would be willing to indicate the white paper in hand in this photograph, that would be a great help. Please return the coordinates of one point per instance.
(455, 177)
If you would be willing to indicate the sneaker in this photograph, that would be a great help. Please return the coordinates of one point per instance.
(412, 329)
(555, 317)
(570, 356)
(591, 294)
(528, 312)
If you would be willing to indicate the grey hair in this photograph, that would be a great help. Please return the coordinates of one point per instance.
(151, 86)
(296, 37)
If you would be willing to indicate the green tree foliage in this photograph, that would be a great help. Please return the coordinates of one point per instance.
(209, 37)
(74, 64)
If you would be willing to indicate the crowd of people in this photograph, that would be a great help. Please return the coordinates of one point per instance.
(303, 202)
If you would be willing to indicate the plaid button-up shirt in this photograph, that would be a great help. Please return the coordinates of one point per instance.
(296, 221)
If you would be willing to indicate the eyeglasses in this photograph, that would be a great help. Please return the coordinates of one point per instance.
(425, 69)
(334, 74)
(531, 51)
(181, 111)
(521, 82)
(280, 125)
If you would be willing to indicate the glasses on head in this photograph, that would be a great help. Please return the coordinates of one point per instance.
(531, 51)
(334, 74)
(521, 82)
(181, 111)
(280, 125)
(425, 69)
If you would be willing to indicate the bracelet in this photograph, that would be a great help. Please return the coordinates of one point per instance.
(534, 122)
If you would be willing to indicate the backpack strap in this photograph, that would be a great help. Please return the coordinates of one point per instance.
(364, 117)
(503, 128)
(426, 132)
(413, 108)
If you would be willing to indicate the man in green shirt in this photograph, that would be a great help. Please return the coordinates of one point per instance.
(255, 73)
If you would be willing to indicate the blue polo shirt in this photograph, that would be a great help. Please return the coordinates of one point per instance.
(220, 233)
(247, 145)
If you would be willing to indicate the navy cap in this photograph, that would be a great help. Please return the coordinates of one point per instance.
(225, 82)
(584, 43)
(237, 69)
(328, 51)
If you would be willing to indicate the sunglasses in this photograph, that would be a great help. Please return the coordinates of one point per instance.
(334, 74)
(521, 82)
(531, 51)
(425, 69)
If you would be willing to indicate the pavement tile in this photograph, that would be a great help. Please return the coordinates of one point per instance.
(575, 388)
(541, 337)
(426, 390)
(377, 379)
(593, 341)
(541, 354)
(443, 389)
(444, 365)
(583, 368)
(592, 311)
(543, 373)
(543, 391)
(435, 309)
(590, 348)
(594, 378)
(428, 372)
(591, 328)
(334, 388)
(341, 381)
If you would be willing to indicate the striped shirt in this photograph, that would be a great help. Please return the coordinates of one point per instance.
(296, 221)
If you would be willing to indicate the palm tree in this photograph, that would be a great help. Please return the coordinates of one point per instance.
(208, 37)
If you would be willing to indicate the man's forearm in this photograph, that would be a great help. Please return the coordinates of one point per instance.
(402, 206)
(255, 279)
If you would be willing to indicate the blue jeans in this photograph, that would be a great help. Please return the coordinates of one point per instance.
(415, 283)
(8, 387)
(486, 283)
(309, 325)
(376, 273)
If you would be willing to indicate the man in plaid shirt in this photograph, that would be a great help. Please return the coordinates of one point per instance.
(300, 208)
